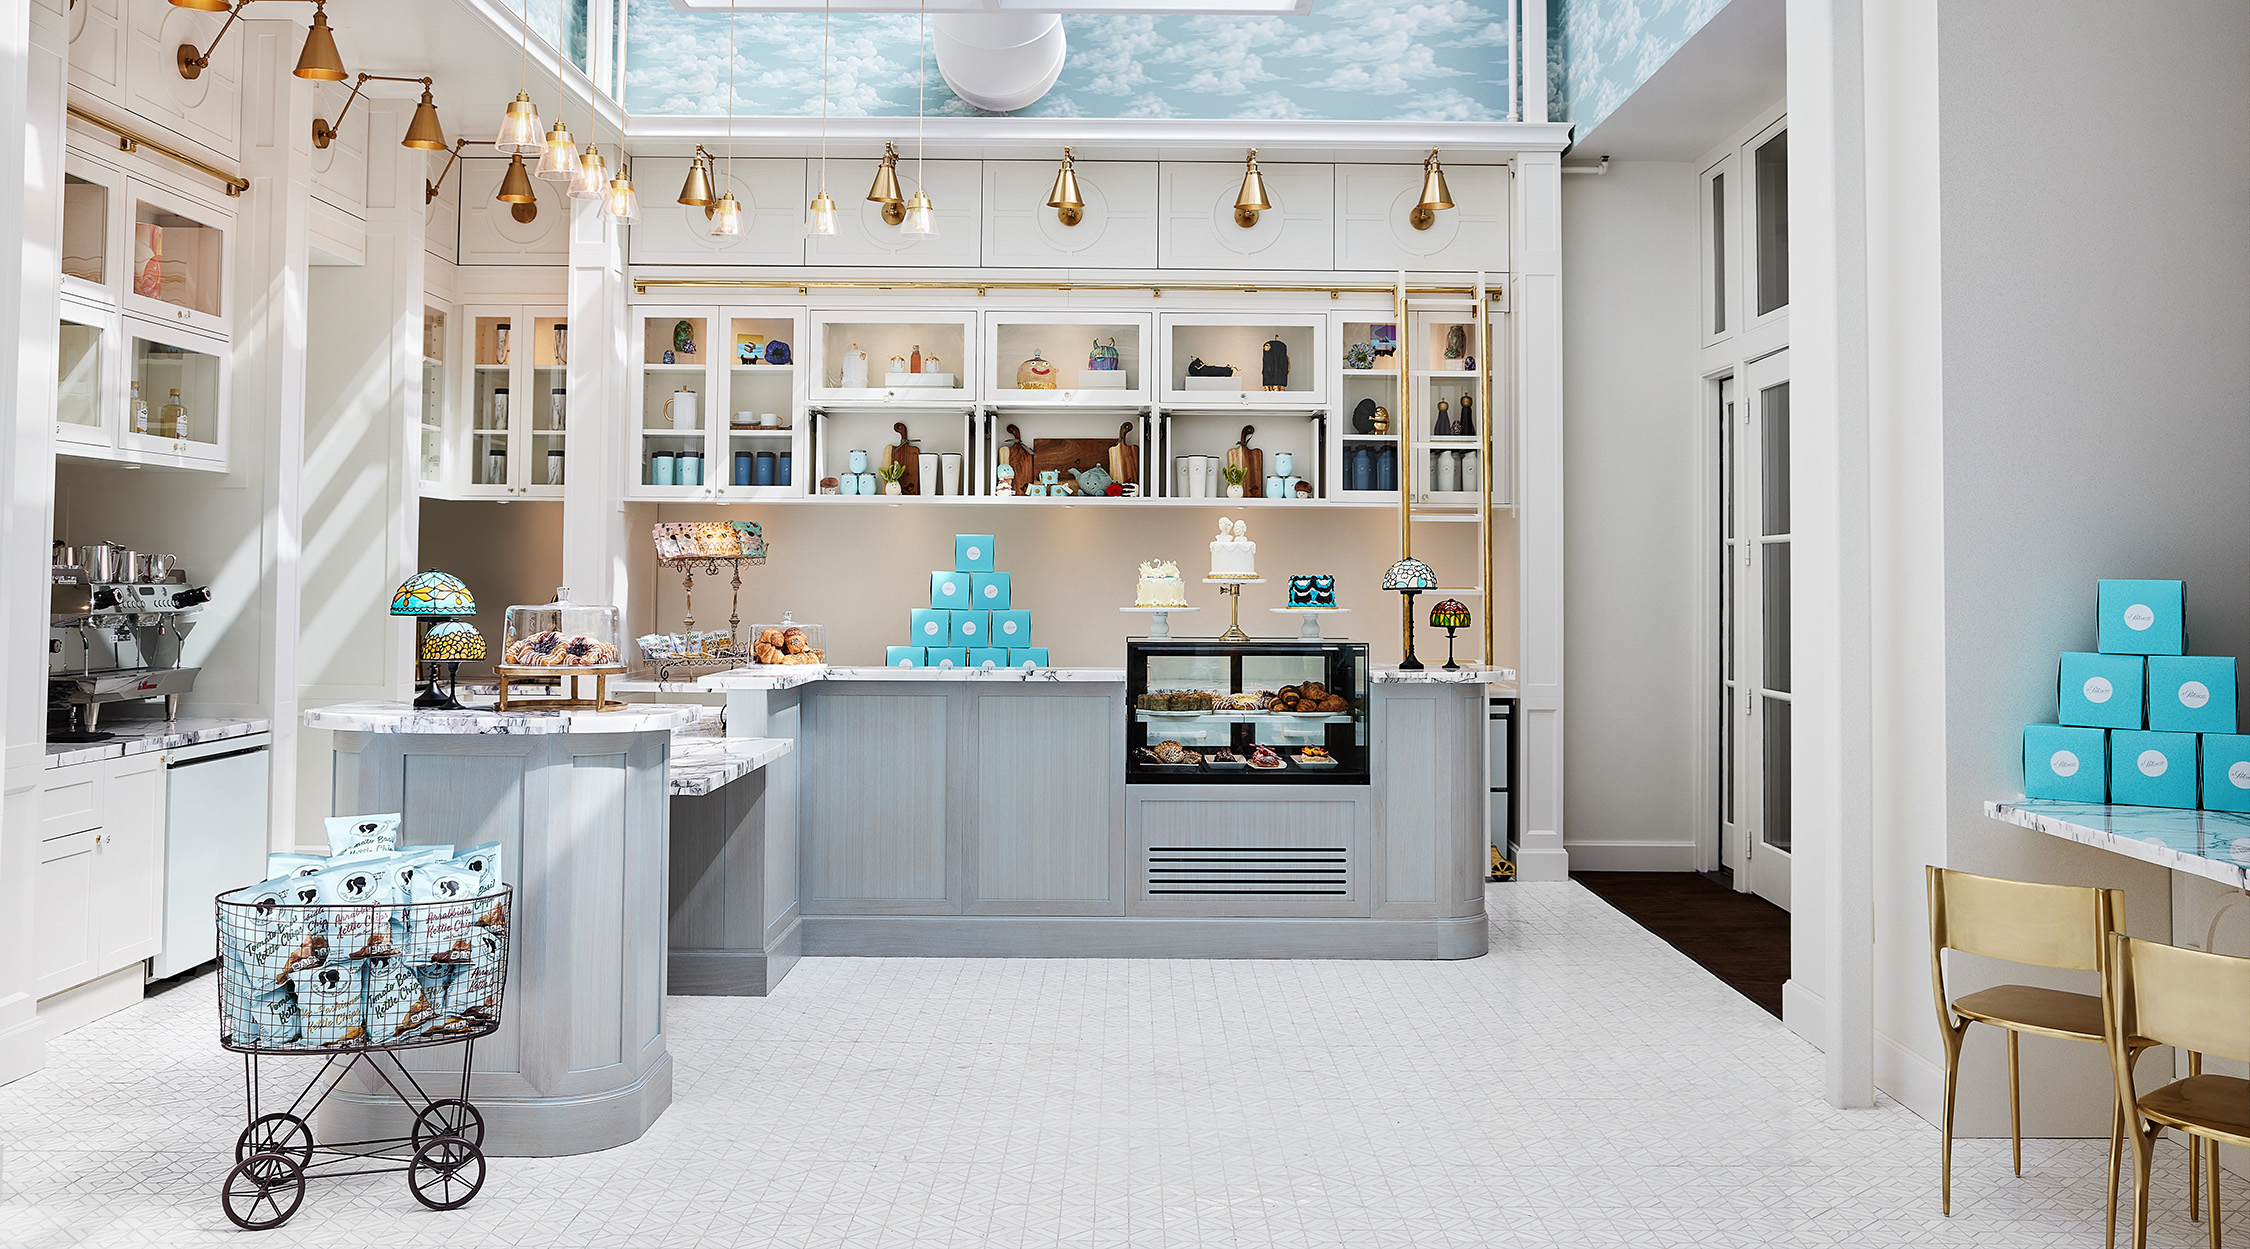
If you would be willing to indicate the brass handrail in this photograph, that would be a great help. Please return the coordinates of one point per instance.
(127, 141)
(805, 286)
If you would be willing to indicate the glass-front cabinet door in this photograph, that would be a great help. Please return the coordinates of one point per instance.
(87, 412)
(178, 260)
(677, 367)
(430, 453)
(756, 442)
(91, 194)
(719, 412)
(514, 418)
(1251, 713)
(182, 378)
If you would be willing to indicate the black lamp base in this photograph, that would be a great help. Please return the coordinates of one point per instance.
(1410, 663)
(1450, 666)
(432, 698)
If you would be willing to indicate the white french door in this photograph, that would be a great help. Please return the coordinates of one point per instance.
(1754, 660)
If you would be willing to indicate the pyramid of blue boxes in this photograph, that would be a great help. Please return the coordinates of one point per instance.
(972, 620)
(2141, 722)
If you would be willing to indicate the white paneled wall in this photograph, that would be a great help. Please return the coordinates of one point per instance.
(774, 199)
(956, 187)
(1373, 203)
(206, 109)
(97, 48)
(339, 170)
(490, 234)
(1117, 229)
(1197, 230)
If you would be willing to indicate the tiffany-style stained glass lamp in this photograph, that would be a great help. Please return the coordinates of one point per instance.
(1410, 577)
(452, 643)
(1451, 615)
(429, 597)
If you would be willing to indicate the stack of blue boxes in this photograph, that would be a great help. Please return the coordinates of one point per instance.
(2142, 722)
(970, 622)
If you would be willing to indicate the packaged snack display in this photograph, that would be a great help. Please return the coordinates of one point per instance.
(483, 859)
(397, 1008)
(350, 835)
(332, 1002)
(360, 894)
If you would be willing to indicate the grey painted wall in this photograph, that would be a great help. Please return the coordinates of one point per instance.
(1632, 525)
(2096, 396)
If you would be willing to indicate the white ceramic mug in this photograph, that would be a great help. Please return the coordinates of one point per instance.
(949, 472)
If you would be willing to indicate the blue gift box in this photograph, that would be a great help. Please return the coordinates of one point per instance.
(949, 591)
(1027, 656)
(2191, 693)
(2226, 772)
(2143, 618)
(2152, 769)
(972, 552)
(988, 591)
(933, 626)
(1011, 628)
(970, 628)
(948, 657)
(987, 657)
(904, 657)
(2101, 691)
(2065, 761)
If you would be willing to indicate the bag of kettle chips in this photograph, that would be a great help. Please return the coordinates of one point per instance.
(444, 906)
(332, 1002)
(484, 860)
(268, 931)
(282, 864)
(397, 1007)
(361, 893)
(473, 997)
(263, 1018)
(350, 835)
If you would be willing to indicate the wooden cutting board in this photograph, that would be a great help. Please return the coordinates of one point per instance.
(1018, 454)
(1064, 454)
(1124, 457)
(1252, 460)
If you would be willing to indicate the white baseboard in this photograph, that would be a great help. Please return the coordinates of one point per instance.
(23, 1049)
(1804, 1012)
(1632, 856)
(72, 1009)
(1539, 865)
(1910, 1079)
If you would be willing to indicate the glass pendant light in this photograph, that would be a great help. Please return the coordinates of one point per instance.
(820, 218)
(520, 130)
(624, 205)
(726, 215)
(921, 218)
(592, 181)
(558, 155)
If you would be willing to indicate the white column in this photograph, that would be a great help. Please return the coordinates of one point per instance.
(1531, 60)
(34, 44)
(594, 535)
(1537, 305)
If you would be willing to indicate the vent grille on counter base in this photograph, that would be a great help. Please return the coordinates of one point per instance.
(1249, 871)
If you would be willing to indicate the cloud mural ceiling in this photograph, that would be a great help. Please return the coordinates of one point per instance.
(1350, 60)
(1601, 51)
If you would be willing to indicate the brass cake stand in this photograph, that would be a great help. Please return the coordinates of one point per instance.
(1232, 588)
(544, 676)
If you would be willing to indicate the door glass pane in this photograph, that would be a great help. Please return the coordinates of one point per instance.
(78, 398)
(1776, 832)
(1718, 253)
(177, 259)
(85, 241)
(1774, 403)
(1776, 591)
(181, 386)
(1726, 600)
(1773, 223)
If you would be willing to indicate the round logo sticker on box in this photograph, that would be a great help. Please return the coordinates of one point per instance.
(2153, 763)
(977, 552)
(932, 627)
(2138, 617)
(2064, 763)
(2193, 694)
(2239, 774)
(968, 628)
(992, 591)
(2096, 689)
(1008, 627)
(952, 587)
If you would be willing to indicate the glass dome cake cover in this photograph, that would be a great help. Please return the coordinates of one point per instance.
(561, 634)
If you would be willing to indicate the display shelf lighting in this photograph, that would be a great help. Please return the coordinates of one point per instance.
(1251, 200)
(318, 60)
(1069, 206)
(1435, 194)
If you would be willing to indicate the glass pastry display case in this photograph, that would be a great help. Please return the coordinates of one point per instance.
(1274, 713)
(561, 634)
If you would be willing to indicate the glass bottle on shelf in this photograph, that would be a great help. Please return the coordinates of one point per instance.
(136, 411)
(172, 421)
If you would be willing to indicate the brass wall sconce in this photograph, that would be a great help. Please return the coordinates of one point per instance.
(318, 60)
(885, 190)
(1434, 194)
(695, 192)
(422, 132)
(516, 192)
(429, 188)
(1252, 199)
(1069, 208)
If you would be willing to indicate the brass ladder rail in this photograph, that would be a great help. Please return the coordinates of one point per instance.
(128, 141)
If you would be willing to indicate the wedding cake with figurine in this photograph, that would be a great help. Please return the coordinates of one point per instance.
(1233, 556)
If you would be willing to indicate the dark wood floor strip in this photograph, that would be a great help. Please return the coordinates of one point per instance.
(1739, 937)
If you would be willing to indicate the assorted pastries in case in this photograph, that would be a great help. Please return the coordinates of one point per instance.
(561, 634)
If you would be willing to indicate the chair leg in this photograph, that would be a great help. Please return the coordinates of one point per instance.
(2144, 1149)
(2015, 1100)
(2194, 1142)
(2211, 1187)
(2116, 1150)
(1952, 1081)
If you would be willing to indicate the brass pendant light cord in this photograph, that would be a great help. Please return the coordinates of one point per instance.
(729, 187)
(921, 86)
(825, 14)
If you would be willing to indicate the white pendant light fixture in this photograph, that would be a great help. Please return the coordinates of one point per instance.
(558, 156)
(820, 217)
(519, 129)
(726, 215)
(921, 215)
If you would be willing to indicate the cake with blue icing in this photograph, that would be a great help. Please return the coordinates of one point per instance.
(1312, 591)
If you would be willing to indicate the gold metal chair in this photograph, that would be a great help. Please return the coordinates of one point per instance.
(2063, 926)
(2157, 994)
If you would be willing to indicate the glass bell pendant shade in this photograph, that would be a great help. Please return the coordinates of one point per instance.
(592, 181)
(624, 205)
(821, 217)
(726, 217)
(515, 186)
(319, 60)
(433, 593)
(423, 131)
(921, 217)
(519, 130)
(558, 159)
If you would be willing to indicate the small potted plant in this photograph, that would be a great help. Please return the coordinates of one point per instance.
(891, 472)
(1235, 475)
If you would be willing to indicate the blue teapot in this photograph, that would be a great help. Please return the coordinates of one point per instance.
(1094, 481)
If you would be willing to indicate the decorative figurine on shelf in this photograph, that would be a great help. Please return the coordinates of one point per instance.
(1456, 342)
(898, 364)
(1359, 356)
(1382, 419)
(1273, 364)
(1196, 368)
(1363, 417)
(1469, 363)
(1383, 340)
(1094, 481)
(1442, 427)
(1035, 374)
(1235, 475)
(1451, 615)
(777, 352)
(1103, 358)
(1003, 479)
(1410, 577)
(1466, 427)
(891, 473)
(683, 338)
(855, 370)
(747, 352)
(930, 365)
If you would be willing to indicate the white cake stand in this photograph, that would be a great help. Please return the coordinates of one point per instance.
(1312, 615)
(1159, 618)
(1232, 588)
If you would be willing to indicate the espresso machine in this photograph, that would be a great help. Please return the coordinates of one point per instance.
(117, 621)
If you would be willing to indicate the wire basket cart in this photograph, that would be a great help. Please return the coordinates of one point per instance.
(356, 986)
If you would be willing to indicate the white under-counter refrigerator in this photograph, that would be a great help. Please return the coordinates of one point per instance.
(216, 806)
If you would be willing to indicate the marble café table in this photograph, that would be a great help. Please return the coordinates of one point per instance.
(579, 803)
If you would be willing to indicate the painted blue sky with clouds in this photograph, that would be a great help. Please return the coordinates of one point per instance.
(1350, 60)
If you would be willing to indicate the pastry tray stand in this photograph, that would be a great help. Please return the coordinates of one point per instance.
(732, 657)
(545, 676)
(1232, 588)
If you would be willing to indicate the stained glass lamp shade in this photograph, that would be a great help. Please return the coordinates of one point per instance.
(1410, 577)
(452, 641)
(435, 595)
(1450, 615)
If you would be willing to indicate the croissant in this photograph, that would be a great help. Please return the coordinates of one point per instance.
(766, 653)
(771, 636)
(795, 642)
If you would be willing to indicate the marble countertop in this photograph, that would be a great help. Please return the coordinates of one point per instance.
(705, 761)
(139, 737)
(2213, 844)
(398, 717)
(1434, 675)
(792, 678)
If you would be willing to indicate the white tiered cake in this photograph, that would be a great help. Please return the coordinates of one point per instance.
(1233, 557)
(1160, 585)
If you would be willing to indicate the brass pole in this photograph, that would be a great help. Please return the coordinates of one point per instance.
(1405, 358)
(1485, 366)
(129, 141)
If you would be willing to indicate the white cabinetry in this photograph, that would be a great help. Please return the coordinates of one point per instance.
(1197, 229)
(1116, 229)
(125, 54)
(507, 429)
(490, 233)
(99, 902)
(717, 423)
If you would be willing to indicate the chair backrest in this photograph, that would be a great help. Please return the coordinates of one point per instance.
(2184, 998)
(2048, 925)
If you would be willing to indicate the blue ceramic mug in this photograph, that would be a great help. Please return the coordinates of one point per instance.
(858, 462)
(848, 484)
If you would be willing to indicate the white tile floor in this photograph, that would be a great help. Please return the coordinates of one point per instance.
(1509, 1100)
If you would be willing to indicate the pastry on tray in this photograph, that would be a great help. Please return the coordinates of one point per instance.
(550, 649)
(1264, 757)
(1173, 753)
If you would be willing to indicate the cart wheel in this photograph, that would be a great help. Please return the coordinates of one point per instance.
(276, 1134)
(262, 1191)
(445, 1173)
(449, 1116)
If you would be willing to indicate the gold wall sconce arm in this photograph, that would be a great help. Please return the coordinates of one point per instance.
(318, 60)
(430, 189)
(324, 132)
